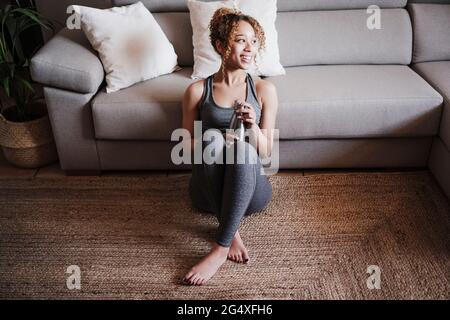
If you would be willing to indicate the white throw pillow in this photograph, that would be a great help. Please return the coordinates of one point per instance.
(130, 43)
(206, 59)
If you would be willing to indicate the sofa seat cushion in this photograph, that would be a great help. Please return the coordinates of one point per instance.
(149, 110)
(355, 101)
(438, 75)
(339, 101)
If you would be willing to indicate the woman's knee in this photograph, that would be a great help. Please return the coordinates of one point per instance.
(260, 200)
(258, 207)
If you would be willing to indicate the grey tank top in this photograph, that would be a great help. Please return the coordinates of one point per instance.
(215, 116)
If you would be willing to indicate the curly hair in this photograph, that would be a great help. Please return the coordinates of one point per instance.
(223, 27)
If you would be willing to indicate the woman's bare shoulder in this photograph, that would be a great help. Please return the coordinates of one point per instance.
(264, 89)
(263, 84)
(196, 87)
(194, 93)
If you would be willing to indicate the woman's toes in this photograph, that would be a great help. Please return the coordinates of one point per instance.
(188, 277)
(198, 281)
(192, 280)
(239, 258)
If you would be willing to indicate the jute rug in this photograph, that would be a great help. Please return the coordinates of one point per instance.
(135, 237)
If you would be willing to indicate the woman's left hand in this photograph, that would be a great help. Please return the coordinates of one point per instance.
(247, 114)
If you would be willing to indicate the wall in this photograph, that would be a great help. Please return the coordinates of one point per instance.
(56, 11)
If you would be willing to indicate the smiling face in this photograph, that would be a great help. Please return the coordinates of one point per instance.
(243, 45)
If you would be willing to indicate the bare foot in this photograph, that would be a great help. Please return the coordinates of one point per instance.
(207, 267)
(238, 252)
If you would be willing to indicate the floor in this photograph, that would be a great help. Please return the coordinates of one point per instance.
(8, 171)
(133, 235)
(125, 225)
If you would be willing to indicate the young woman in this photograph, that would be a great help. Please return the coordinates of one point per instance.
(231, 190)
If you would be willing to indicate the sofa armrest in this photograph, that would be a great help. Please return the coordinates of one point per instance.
(68, 62)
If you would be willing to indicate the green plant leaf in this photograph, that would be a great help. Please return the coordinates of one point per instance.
(6, 13)
(6, 86)
(33, 15)
(27, 84)
(14, 61)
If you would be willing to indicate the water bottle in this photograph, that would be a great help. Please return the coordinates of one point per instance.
(237, 124)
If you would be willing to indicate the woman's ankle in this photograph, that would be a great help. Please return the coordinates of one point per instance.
(220, 248)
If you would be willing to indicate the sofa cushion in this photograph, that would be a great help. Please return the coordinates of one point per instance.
(342, 37)
(289, 5)
(438, 75)
(431, 23)
(314, 102)
(130, 43)
(356, 102)
(208, 61)
(149, 110)
(177, 27)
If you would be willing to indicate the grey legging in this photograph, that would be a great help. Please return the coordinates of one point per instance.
(230, 190)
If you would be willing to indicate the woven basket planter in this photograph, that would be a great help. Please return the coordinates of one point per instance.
(28, 144)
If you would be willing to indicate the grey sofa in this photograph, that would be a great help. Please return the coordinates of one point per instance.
(351, 97)
(431, 59)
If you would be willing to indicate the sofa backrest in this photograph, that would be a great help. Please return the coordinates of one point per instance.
(282, 5)
(309, 31)
(317, 37)
(430, 1)
(312, 37)
(342, 37)
(431, 23)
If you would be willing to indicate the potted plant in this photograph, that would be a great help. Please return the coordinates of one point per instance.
(25, 133)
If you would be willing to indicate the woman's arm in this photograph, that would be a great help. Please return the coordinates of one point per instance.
(191, 99)
(263, 135)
